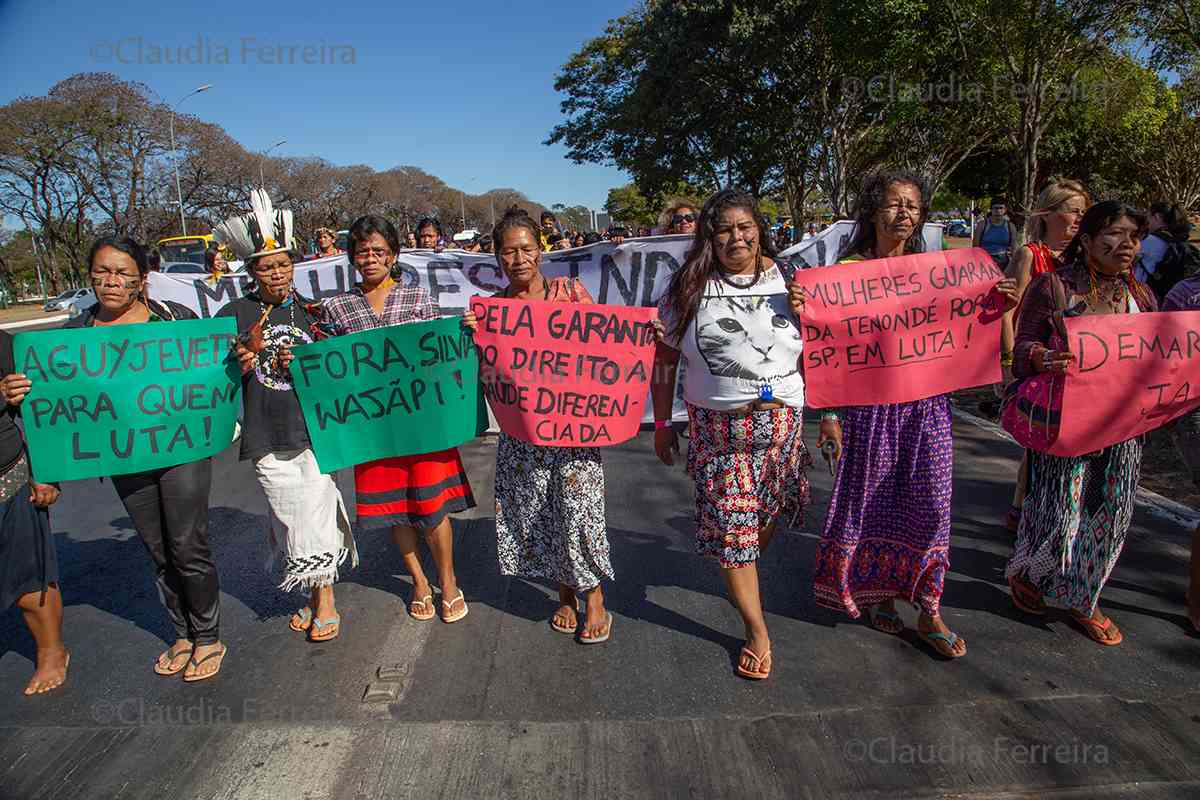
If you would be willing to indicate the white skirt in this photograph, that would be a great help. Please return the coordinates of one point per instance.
(310, 532)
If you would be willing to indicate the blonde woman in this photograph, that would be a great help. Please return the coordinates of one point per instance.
(1048, 230)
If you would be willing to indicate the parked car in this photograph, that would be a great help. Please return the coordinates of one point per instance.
(81, 303)
(61, 302)
(958, 230)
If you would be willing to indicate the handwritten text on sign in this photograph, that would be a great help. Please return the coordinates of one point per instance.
(127, 398)
(396, 391)
(562, 374)
(1135, 373)
(884, 331)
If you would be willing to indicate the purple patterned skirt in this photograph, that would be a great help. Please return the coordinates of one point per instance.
(887, 534)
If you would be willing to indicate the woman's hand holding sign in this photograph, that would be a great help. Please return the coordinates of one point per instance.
(1007, 288)
(14, 387)
(796, 296)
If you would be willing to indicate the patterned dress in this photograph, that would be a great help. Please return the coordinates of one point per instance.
(1078, 510)
(550, 520)
(887, 532)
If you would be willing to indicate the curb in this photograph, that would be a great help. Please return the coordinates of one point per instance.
(29, 323)
(1158, 506)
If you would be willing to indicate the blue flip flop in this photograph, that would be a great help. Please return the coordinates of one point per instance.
(933, 637)
(318, 625)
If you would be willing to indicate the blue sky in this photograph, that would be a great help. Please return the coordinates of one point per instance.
(487, 68)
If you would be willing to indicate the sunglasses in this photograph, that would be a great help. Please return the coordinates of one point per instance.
(679, 219)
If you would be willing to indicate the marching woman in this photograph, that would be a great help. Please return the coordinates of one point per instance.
(28, 563)
(1078, 509)
(726, 312)
(1050, 228)
(169, 506)
(413, 495)
(550, 519)
(309, 529)
(887, 531)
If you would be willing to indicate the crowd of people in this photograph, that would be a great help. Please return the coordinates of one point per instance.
(886, 534)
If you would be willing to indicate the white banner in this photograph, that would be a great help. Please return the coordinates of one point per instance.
(635, 272)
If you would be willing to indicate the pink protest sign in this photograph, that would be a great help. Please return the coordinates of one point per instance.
(893, 330)
(563, 374)
(1134, 373)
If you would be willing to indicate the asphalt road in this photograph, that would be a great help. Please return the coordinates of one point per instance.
(499, 706)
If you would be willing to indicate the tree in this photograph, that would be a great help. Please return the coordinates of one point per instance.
(1042, 46)
(627, 204)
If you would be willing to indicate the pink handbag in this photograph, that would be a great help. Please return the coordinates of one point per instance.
(1032, 410)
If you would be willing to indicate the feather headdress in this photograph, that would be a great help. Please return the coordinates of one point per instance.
(261, 232)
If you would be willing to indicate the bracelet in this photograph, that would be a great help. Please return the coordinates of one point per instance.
(1006, 361)
(830, 416)
(660, 424)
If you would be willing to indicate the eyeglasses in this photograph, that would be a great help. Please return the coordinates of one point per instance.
(679, 219)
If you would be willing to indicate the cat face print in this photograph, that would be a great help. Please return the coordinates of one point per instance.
(751, 337)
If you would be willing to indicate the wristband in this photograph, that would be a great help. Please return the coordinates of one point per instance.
(659, 424)
(829, 415)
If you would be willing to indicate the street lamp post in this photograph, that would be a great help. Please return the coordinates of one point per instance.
(262, 182)
(175, 153)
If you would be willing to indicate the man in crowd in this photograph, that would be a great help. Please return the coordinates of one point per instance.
(996, 234)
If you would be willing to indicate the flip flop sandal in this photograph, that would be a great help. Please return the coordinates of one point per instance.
(1096, 630)
(171, 655)
(194, 664)
(875, 613)
(600, 639)
(1026, 598)
(563, 628)
(757, 673)
(447, 615)
(305, 615)
(936, 639)
(318, 625)
(426, 603)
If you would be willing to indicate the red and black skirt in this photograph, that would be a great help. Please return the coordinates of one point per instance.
(418, 491)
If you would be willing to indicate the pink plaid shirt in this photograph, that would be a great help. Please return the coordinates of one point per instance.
(351, 313)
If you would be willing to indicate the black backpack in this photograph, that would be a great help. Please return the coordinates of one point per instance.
(1181, 260)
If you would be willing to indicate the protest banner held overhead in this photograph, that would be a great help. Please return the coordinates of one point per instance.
(129, 398)
(894, 330)
(395, 391)
(1133, 373)
(634, 273)
(565, 375)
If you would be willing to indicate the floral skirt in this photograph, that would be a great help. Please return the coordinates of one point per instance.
(749, 470)
(550, 513)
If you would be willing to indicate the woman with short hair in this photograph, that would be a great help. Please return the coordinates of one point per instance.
(411, 495)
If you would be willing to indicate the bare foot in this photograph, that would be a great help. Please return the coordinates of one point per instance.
(51, 671)
(927, 624)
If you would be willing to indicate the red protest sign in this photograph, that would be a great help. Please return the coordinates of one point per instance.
(893, 330)
(1134, 373)
(563, 374)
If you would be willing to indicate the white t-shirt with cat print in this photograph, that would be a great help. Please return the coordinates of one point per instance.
(744, 337)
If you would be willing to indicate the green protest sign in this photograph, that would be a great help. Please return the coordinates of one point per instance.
(127, 398)
(396, 391)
